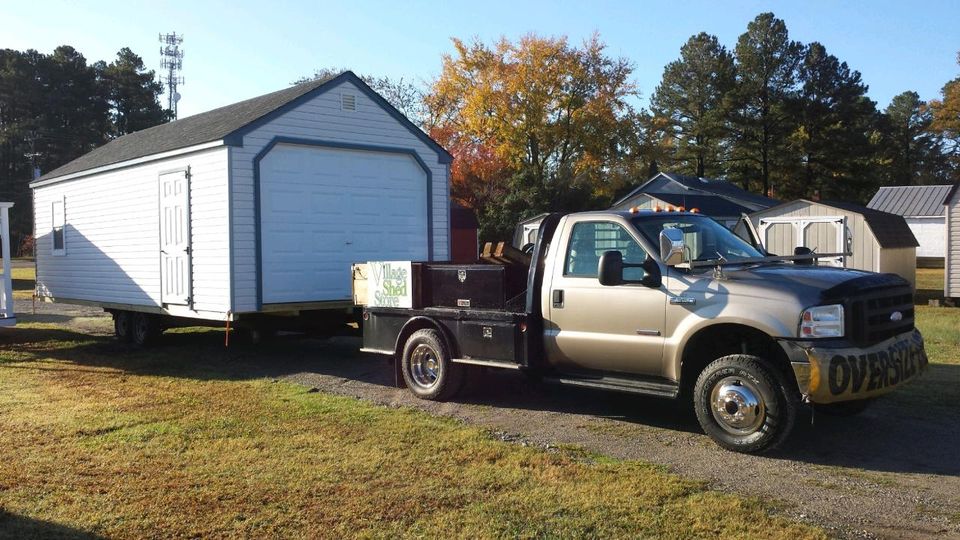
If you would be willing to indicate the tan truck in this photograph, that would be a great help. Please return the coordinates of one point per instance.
(669, 304)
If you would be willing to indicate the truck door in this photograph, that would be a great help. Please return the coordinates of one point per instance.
(588, 326)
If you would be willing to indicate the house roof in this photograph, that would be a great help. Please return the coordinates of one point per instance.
(911, 201)
(890, 230)
(225, 123)
(710, 205)
(692, 185)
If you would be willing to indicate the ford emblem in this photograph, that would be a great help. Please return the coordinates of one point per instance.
(896, 316)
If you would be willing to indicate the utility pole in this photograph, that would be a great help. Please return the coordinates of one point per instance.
(171, 59)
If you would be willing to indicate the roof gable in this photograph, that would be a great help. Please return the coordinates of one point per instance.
(677, 184)
(229, 124)
(911, 201)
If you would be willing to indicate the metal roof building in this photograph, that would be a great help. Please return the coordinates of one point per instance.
(923, 209)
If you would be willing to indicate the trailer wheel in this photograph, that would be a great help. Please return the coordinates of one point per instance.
(427, 368)
(743, 404)
(144, 329)
(122, 325)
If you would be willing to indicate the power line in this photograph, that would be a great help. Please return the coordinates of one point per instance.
(171, 59)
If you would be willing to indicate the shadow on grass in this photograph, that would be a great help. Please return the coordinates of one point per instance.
(913, 430)
(22, 527)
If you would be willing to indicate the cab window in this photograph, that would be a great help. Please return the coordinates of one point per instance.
(589, 240)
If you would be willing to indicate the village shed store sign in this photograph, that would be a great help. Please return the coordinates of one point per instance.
(390, 284)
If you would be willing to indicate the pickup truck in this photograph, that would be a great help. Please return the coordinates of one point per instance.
(669, 304)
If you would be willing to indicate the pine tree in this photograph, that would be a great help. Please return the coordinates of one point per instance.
(693, 97)
(133, 94)
(767, 62)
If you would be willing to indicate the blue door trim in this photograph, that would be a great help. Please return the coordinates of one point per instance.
(328, 144)
(235, 138)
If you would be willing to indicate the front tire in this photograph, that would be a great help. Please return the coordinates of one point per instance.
(427, 367)
(744, 405)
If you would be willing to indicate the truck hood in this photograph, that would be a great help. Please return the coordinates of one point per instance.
(804, 283)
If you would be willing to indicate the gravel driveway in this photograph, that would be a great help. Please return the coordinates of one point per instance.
(892, 472)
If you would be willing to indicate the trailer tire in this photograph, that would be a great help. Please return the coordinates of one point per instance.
(744, 404)
(427, 367)
(144, 329)
(122, 325)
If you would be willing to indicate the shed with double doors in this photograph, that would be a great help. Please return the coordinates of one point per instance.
(259, 206)
(875, 241)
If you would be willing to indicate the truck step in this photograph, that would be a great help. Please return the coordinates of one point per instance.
(649, 387)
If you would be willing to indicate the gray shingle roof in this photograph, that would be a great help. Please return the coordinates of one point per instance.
(911, 201)
(190, 131)
(707, 187)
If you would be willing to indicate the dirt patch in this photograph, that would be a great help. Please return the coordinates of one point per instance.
(891, 472)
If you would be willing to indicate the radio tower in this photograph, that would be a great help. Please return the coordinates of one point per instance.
(171, 59)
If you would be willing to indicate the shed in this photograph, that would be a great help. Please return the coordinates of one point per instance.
(719, 199)
(951, 266)
(923, 209)
(526, 231)
(878, 241)
(258, 206)
(7, 316)
(464, 241)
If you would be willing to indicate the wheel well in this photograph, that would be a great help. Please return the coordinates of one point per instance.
(421, 323)
(720, 340)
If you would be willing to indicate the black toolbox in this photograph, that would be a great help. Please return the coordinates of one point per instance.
(474, 286)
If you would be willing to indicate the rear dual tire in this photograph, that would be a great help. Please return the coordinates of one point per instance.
(428, 369)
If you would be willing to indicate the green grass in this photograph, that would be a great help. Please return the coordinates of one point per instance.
(930, 279)
(23, 281)
(188, 440)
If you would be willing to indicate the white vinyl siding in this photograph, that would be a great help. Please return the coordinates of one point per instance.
(929, 232)
(112, 234)
(323, 118)
(951, 280)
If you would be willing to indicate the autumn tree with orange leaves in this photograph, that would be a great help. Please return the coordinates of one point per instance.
(534, 125)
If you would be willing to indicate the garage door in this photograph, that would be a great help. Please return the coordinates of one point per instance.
(323, 209)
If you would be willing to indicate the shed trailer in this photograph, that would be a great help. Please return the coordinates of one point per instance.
(256, 208)
(877, 241)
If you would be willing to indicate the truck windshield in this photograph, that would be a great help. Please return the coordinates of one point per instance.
(705, 238)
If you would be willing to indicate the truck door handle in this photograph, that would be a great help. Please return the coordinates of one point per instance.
(558, 298)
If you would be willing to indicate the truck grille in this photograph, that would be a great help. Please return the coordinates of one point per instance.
(871, 321)
(870, 303)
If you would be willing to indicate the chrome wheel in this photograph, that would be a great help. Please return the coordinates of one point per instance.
(424, 366)
(737, 405)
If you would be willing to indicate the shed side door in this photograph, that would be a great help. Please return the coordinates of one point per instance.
(175, 238)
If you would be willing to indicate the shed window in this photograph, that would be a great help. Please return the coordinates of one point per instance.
(58, 233)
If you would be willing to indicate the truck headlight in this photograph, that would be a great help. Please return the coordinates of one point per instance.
(822, 321)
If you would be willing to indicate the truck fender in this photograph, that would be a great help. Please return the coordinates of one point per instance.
(417, 323)
(695, 322)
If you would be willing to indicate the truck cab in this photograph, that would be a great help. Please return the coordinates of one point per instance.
(670, 303)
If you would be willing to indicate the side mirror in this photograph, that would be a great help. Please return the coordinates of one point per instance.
(610, 269)
(672, 249)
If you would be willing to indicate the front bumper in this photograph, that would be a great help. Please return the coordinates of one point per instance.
(835, 370)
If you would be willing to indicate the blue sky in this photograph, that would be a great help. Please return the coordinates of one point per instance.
(238, 49)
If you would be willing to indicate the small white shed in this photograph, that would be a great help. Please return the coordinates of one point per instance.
(878, 241)
(951, 272)
(258, 206)
(923, 209)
